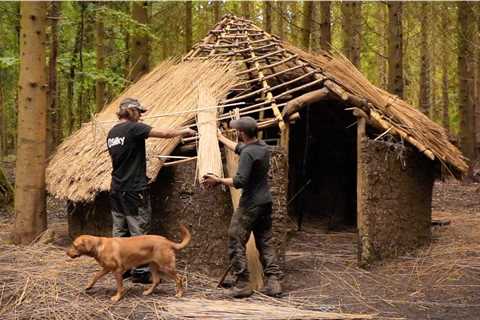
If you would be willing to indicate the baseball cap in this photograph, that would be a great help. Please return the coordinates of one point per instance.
(244, 123)
(129, 103)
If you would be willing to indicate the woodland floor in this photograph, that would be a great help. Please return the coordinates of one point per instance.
(441, 281)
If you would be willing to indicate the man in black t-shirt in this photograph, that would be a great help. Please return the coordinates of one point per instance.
(129, 197)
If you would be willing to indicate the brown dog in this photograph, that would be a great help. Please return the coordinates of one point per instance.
(118, 255)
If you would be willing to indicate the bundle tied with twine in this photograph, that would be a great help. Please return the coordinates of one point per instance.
(390, 109)
(209, 159)
(80, 168)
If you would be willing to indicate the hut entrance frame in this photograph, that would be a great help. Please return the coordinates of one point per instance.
(323, 166)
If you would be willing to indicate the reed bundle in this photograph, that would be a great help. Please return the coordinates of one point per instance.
(393, 111)
(81, 167)
(209, 159)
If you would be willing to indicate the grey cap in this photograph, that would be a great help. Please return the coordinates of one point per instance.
(244, 123)
(129, 103)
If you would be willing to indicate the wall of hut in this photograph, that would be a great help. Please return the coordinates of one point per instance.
(176, 198)
(394, 200)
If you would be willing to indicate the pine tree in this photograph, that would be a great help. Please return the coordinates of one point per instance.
(140, 47)
(395, 47)
(30, 207)
(466, 108)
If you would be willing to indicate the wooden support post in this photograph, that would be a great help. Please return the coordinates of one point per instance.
(364, 243)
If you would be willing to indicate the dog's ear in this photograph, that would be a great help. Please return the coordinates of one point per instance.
(90, 244)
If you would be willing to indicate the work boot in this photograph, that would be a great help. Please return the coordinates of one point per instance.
(127, 274)
(272, 287)
(228, 283)
(240, 290)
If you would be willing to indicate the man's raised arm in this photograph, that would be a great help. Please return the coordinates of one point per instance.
(171, 133)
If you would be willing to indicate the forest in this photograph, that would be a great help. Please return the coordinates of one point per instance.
(95, 49)
(371, 112)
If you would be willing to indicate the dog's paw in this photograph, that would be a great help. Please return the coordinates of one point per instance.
(179, 295)
(147, 292)
(88, 288)
(116, 298)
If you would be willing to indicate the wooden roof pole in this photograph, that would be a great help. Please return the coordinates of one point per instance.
(269, 95)
(375, 118)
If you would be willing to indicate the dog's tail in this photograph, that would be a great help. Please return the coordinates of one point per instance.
(186, 237)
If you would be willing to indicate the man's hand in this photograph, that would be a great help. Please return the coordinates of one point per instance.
(210, 180)
(187, 132)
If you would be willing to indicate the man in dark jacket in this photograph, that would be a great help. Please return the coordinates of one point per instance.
(254, 213)
(129, 196)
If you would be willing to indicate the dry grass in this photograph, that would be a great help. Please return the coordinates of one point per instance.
(81, 167)
(433, 282)
(39, 282)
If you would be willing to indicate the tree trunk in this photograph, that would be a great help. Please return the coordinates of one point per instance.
(466, 82)
(477, 78)
(140, 47)
(70, 84)
(100, 55)
(280, 23)
(54, 128)
(315, 34)
(188, 25)
(30, 211)
(352, 23)
(3, 122)
(295, 25)
(382, 18)
(424, 96)
(395, 47)
(246, 9)
(6, 190)
(267, 16)
(325, 25)
(81, 114)
(216, 12)
(307, 24)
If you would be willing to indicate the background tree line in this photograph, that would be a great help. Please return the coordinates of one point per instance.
(425, 52)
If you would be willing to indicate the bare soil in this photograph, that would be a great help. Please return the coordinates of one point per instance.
(441, 281)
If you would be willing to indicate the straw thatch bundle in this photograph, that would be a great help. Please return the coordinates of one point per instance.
(209, 158)
(393, 111)
(81, 167)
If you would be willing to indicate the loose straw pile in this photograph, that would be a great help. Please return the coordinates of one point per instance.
(40, 282)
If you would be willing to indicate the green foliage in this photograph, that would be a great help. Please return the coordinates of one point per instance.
(167, 33)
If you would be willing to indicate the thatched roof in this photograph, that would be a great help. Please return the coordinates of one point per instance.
(259, 70)
(81, 166)
(275, 72)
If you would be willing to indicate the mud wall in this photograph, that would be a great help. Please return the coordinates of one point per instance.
(394, 209)
(176, 199)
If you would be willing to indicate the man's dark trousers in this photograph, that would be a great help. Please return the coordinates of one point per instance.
(257, 219)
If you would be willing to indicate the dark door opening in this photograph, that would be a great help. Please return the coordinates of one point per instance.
(323, 166)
